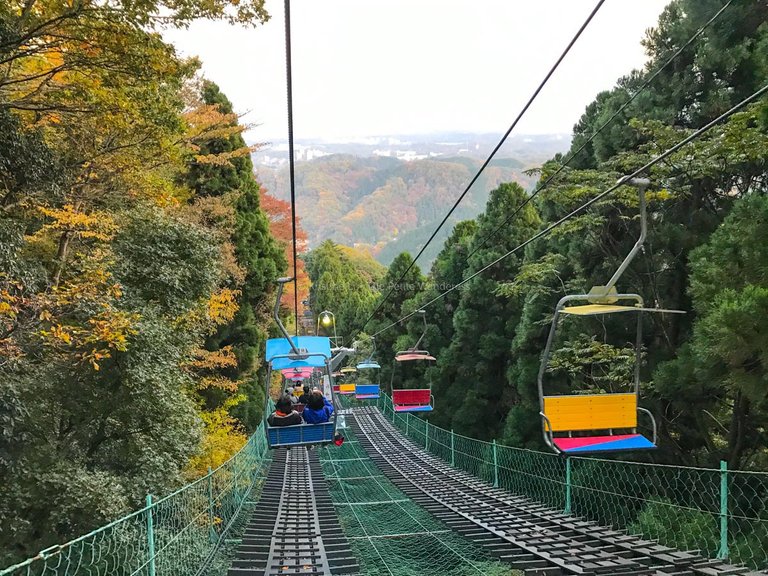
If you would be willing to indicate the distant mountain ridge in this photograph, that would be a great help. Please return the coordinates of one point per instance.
(529, 149)
(387, 205)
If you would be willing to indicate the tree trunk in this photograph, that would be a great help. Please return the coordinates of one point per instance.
(736, 436)
(61, 256)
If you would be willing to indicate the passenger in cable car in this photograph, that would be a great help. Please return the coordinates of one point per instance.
(318, 409)
(291, 397)
(304, 398)
(284, 414)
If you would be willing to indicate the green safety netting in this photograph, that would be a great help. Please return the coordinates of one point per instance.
(390, 534)
(721, 513)
(182, 534)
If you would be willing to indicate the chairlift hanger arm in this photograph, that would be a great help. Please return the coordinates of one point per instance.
(641, 184)
(424, 333)
(276, 313)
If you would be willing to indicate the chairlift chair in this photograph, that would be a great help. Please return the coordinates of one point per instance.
(602, 422)
(337, 387)
(414, 399)
(298, 353)
(297, 374)
(370, 391)
(347, 387)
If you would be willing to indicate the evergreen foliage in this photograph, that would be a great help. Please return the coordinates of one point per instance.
(256, 252)
(130, 240)
(339, 287)
(704, 254)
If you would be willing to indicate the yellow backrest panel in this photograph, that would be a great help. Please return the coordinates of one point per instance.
(592, 412)
(347, 387)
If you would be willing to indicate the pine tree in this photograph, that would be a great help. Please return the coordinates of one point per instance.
(473, 370)
(256, 252)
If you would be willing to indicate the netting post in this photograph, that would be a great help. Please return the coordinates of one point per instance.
(495, 466)
(722, 554)
(407, 422)
(212, 529)
(426, 436)
(150, 538)
(567, 509)
(453, 449)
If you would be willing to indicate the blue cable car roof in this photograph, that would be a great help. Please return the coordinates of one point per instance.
(368, 364)
(312, 344)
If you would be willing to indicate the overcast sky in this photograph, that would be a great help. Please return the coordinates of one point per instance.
(381, 67)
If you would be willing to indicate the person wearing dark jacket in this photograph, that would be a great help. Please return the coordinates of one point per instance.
(304, 398)
(284, 414)
(318, 409)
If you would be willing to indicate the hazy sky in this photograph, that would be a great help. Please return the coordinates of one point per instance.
(378, 67)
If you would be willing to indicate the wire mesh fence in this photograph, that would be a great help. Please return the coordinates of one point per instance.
(720, 513)
(177, 535)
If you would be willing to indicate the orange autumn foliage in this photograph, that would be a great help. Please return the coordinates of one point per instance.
(279, 214)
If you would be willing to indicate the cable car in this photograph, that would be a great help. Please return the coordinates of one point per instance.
(414, 399)
(370, 391)
(599, 422)
(298, 353)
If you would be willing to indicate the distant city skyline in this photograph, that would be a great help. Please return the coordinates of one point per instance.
(530, 150)
(392, 67)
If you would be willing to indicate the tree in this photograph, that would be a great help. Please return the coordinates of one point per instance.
(229, 183)
(723, 370)
(113, 271)
(473, 370)
(447, 272)
(723, 67)
(397, 288)
(339, 287)
(279, 214)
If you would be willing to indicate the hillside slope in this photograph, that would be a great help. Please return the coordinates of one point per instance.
(384, 204)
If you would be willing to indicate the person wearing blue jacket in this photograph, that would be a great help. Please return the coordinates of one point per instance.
(318, 409)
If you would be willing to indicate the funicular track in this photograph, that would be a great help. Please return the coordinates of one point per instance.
(531, 537)
(294, 529)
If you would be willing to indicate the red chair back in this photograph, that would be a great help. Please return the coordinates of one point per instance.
(411, 397)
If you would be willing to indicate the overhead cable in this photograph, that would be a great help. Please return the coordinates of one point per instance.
(690, 138)
(291, 167)
(615, 115)
(488, 160)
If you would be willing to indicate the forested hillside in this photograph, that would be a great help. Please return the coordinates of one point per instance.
(704, 373)
(138, 254)
(136, 267)
(345, 282)
(385, 204)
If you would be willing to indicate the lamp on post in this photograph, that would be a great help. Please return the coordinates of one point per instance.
(328, 319)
